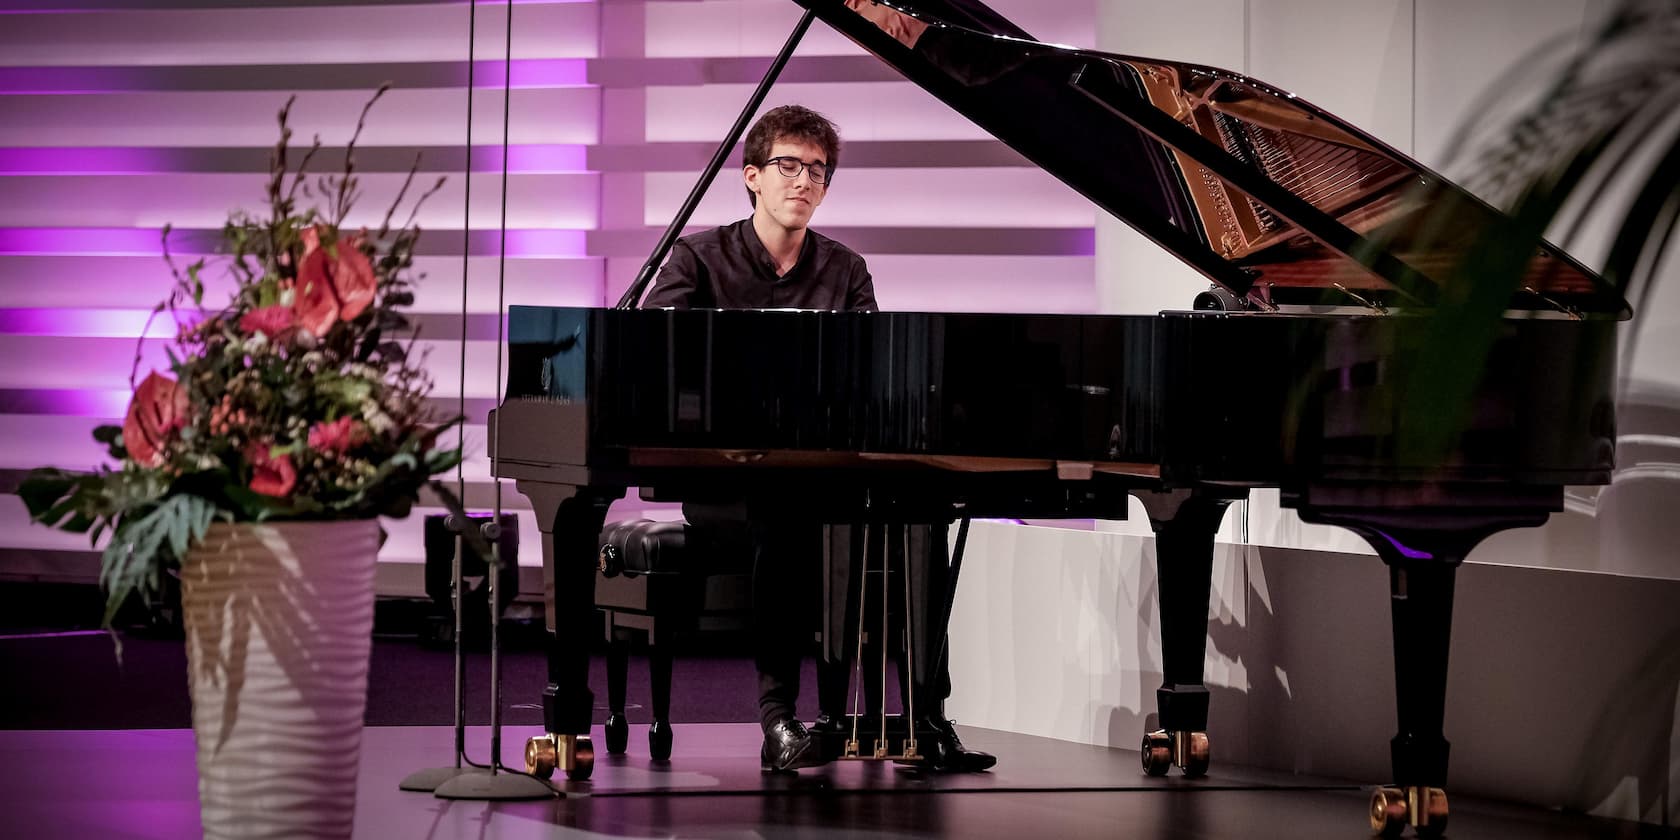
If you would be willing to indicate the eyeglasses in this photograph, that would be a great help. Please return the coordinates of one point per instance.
(791, 166)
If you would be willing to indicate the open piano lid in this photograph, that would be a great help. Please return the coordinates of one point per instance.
(1266, 195)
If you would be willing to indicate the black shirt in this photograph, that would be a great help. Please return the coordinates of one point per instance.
(729, 268)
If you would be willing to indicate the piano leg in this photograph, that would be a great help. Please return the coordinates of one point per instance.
(1422, 549)
(570, 518)
(1184, 525)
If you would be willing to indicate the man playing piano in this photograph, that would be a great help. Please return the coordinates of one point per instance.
(773, 260)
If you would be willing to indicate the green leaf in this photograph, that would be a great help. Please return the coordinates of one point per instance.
(141, 548)
(197, 283)
(42, 491)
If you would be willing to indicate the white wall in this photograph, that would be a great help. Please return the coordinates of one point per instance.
(1561, 692)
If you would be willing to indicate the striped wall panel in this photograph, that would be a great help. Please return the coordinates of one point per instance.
(119, 116)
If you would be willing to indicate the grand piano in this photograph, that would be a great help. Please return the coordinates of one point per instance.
(1337, 267)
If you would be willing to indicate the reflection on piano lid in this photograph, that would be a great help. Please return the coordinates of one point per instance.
(1266, 195)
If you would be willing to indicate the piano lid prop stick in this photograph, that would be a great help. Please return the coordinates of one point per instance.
(633, 295)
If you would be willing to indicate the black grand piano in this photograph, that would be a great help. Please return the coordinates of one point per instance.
(1331, 258)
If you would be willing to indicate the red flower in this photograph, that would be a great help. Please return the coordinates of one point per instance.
(336, 436)
(270, 476)
(158, 408)
(353, 279)
(315, 304)
(269, 320)
(330, 287)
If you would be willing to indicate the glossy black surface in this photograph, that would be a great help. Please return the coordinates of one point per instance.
(1250, 399)
(1263, 193)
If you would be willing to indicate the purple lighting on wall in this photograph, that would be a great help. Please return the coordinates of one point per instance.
(146, 241)
(526, 73)
(139, 160)
(65, 402)
(528, 242)
(545, 243)
(87, 323)
(51, 160)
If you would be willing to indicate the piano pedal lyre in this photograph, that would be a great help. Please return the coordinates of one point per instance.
(882, 746)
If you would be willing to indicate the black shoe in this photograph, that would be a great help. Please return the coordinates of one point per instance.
(947, 753)
(787, 746)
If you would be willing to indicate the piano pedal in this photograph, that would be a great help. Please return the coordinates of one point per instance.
(899, 745)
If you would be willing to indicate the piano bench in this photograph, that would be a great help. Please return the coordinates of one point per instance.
(662, 578)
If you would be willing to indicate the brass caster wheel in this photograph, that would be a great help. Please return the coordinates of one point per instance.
(1157, 753)
(1422, 808)
(1388, 812)
(541, 756)
(618, 734)
(580, 758)
(1436, 808)
(1195, 753)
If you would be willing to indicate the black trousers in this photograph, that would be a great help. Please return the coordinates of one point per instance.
(787, 598)
(787, 550)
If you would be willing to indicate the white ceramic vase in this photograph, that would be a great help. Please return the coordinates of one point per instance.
(279, 622)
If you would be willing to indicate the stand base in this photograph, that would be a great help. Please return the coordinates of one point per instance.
(427, 780)
(501, 786)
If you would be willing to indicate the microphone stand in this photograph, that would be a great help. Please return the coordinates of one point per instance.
(500, 783)
(431, 778)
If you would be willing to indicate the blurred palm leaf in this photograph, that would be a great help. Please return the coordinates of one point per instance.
(1577, 136)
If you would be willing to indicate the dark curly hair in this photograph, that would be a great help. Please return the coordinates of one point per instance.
(789, 122)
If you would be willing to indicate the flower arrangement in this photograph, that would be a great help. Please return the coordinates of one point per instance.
(297, 400)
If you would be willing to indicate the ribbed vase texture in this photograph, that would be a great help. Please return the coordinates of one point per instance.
(279, 621)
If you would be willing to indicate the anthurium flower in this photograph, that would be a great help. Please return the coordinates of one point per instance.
(315, 304)
(270, 475)
(159, 407)
(346, 279)
(269, 320)
(335, 436)
(353, 279)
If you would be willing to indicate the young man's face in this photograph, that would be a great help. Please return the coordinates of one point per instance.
(788, 202)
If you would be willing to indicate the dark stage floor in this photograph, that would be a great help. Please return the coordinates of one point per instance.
(141, 784)
(93, 749)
